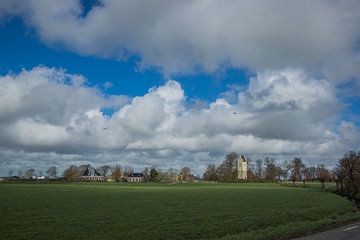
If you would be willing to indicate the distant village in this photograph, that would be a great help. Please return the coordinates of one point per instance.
(106, 173)
(235, 168)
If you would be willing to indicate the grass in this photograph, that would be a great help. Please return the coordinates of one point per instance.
(158, 211)
(329, 186)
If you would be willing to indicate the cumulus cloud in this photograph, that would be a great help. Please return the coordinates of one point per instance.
(186, 36)
(55, 116)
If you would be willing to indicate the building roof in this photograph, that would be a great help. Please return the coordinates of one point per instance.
(87, 170)
(243, 158)
(136, 175)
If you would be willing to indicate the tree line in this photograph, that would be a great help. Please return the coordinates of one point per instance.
(346, 174)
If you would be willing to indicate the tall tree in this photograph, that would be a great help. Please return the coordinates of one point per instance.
(210, 173)
(312, 171)
(227, 171)
(104, 170)
(20, 173)
(128, 170)
(349, 173)
(285, 169)
(297, 166)
(30, 173)
(322, 174)
(307, 175)
(10, 173)
(185, 173)
(172, 173)
(146, 174)
(270, 169)
(259, 168)
(70, 174)
(154, 175)
(116, 173)
(52, 171)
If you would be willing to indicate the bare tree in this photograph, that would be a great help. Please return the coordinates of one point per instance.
(322, 174)
(312, 171)
(30, 173)
(185, 173)
(307, 175)
(10, 173)
(52, 172)
(227, 171)
(104, 170)
(278, 173)
(285, 169)
(172, 172)
(259, 168)
(146, 174)
(270, 173)
(297, 166)
(128, 170)
(349, 173)
(338, 177)
(20, 173)
(210, 173)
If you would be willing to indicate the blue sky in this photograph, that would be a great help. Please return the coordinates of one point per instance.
(177, 84)
(23, 49)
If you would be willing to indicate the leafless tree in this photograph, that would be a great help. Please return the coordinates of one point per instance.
(270, 173)
(227, 171)
(30, 173)
(348, 172)
(297, 166)
(306, 173)
(185, 173)
(285, 169)
(146, 174)
(52, 171)
(127, 171)
(322, 174)
(172, 173)
(259, 168)
(210, 173)
(312, 171)
(104, 170)
(20, 173)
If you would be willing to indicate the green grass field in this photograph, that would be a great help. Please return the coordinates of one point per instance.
(154, 211)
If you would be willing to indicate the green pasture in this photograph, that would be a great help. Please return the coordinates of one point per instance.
(160, 211)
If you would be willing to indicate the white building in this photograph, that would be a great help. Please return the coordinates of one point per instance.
(242, 168)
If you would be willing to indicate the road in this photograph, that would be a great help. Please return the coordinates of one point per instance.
(348, 232)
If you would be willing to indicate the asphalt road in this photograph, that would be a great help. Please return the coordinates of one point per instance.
(348, 232)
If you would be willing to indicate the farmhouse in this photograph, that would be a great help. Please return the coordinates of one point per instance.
(242, 168)
(135, 177)
(89, 174)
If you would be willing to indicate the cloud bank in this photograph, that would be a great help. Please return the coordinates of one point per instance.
(47, 113)
(181, 37)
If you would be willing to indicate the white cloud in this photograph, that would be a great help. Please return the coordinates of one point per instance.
(184, 36)
(281, 113)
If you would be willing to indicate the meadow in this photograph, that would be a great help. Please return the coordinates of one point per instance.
(161, 211)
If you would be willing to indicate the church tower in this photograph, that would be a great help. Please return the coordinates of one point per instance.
(242, 168)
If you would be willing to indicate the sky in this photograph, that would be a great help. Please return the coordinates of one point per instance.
(177, 83)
